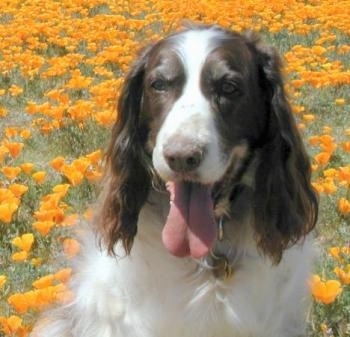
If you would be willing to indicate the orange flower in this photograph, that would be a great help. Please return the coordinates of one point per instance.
(3, 112)
(27, 168)
(3, 280)
(70, 220)
(57, 163)
(11, 172)
(344, 275)
(54, 214)
(105, 117)
(25, 134)
(314, 140)
(18, 189)
(19, 256)
(346, 146)
(54, 94)
(344, 174)
(325, 291)
(43, 227)
(297, 109)
(74, 176)
(322, 158)
(89, 214)
(6, 210)
(327, 129)
(3, 152)
(62, 189)
(11, 132)
(339, 253)
(81, 110)
(78, 81)
(19, 302)
(340, 101)
(15, 90)
(43, 282)
(81, 164)
(63, 275)
(327, 143)
(344, 206)
(329, 186)
(14, 148)
(94, 157)
(36, 261)
(93, 175)
(24, 242)
(11, 325)
(71, 247)
(39, 176)
(50, 201)
(309, 117)
(330, 173)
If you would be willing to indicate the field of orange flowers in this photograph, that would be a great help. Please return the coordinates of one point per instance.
(61, 67)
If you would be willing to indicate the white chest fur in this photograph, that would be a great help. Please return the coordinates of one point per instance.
(153, 294)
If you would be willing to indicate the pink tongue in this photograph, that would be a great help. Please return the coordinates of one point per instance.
(190, 227)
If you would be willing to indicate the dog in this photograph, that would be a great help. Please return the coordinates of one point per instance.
(205, 223)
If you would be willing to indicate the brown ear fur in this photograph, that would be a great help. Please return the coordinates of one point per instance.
(285, 204)
(128, 176)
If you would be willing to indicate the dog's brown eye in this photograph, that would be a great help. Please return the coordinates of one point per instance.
(159, 85)
(228, 88)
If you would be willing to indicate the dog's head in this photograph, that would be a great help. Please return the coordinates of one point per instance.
(194, 106)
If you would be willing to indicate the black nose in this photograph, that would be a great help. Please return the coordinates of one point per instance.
(183, 157)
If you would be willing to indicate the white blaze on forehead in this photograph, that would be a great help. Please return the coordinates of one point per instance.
(192, 107)
(193, 48)
(191, 117)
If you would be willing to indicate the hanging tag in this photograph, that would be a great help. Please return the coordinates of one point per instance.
(221, 267)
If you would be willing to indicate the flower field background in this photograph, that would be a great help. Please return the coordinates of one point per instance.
(61, 67)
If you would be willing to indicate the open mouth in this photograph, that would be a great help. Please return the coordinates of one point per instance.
(190, 228)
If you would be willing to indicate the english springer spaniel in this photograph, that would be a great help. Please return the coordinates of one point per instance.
(207, 203)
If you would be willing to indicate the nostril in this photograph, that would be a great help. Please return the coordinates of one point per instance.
(183, 159)
(193, 161)
(171, 159)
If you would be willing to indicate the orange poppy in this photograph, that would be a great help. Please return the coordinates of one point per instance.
(3, 280)
(344, 206)
(43, 282)
(7, 209)
(18, 189)
(43, 227)
(71, 247)
(11, 172)
(325, 291)
(27, 168)
(24, 242)
(14, 148)
(39, 176)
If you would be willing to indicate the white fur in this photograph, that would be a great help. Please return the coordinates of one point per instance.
(191, 115)
(153, 294)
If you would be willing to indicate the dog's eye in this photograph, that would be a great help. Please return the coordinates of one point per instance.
(228, 88)
(159, 85)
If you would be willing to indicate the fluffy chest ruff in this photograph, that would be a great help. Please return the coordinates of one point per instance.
(154, 294)
(151, 293)
(204, 136)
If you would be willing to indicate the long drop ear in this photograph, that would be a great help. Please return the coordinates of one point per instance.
(128, 178)
(285, 204)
